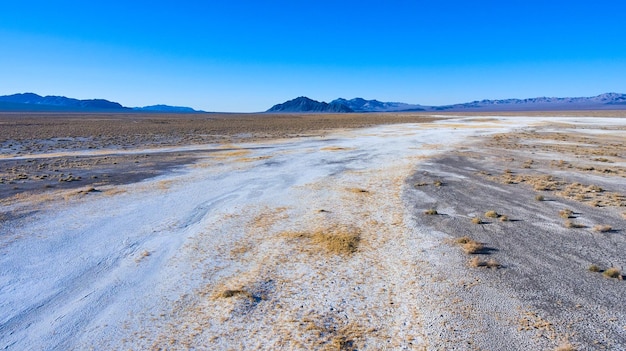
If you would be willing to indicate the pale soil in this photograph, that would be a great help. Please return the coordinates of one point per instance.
(225, 253)
(544, 292)
(40, 152)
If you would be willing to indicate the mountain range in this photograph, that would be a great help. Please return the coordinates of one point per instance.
(608, 101)
(28, 102)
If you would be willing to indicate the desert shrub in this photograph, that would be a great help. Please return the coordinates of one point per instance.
(566, 213)
(565, 347)
(491, 214)
(463, 240)
(431, 211)
(594, 268)
(602, 228)
(504, 218)
(472, 247)
(612, 272)
(540, 198)
(477, 262)
(572, 224)
(477, 220)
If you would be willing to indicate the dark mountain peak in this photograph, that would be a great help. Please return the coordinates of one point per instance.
(361, 105)
(304, 104)
(60, 102)
(34, 102)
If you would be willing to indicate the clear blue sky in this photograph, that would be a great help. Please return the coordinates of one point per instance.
(248, 55)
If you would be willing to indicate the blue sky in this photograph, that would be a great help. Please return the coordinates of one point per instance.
(245, 56)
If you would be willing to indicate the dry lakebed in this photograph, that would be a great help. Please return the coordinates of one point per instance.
(313, 232)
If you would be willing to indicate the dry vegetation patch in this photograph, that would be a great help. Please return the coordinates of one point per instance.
(477, 220)
(603, 228)
(336, 240)
(478, 262)
(613, 272)
(334, 334)
(566, 347)
(566, 213)
(469, 245)
(431, 211)
(571, 224)
(358, 190)
(491, 214)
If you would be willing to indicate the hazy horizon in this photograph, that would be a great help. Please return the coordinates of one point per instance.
(247, 56)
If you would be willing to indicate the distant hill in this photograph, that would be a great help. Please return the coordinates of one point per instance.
(304, 104)
(608, 101)
(30, 102)
(165, 108)
(362, 105)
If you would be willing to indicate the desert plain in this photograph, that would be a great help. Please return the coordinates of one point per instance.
(405, 231)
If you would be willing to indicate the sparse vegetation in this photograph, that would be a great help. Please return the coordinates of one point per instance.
(477, 220)
(594, 268)
(613, 272)
(571, 224)
(567, 346)
(566, 213)
(469, 245)
(504, 218)
(438, 183)
(142, 255)
(337, 240)
(540, 198)
(237, 292)
(491, 214)
(477, 262)
(431, 211)
(602, 228)
(358, 190)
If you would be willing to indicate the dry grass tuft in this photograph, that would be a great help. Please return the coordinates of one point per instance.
(504, 218)
(491, 214)
(228, 293)
(437, 183)
(603, 228)
(338, 241)
(463, 240)
(142, 255)
(469, 245)
(358, 190)
(594, 268)
(567, 346)
(477, 262)
(566, 213)
(431, 211)
(477, 220)
(572, 224)
(540, 198)
(613, 272)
